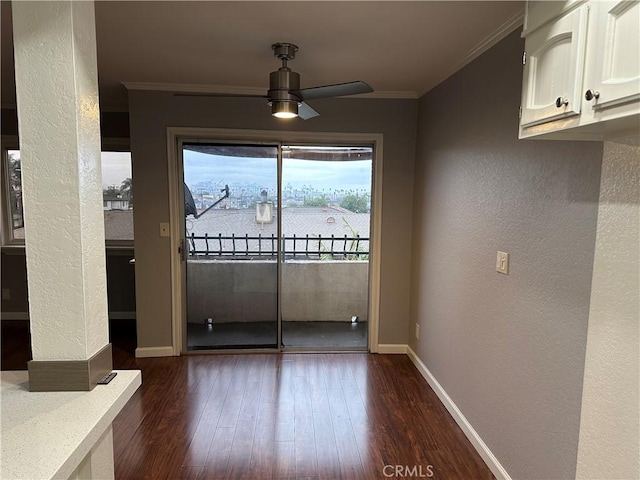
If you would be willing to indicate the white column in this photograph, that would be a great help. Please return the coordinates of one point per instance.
(59, 126)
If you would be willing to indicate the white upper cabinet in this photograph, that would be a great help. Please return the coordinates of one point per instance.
(553, 69)
(581, 70)
(614, 76)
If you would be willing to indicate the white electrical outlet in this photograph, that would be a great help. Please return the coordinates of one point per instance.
(502, 263)
(417, 330)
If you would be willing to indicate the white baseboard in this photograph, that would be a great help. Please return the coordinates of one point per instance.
(399, 348)
(146, 352)
(477, 442)
(15, 315)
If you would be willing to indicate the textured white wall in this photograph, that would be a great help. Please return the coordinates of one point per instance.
(59, 122)
(609, 425)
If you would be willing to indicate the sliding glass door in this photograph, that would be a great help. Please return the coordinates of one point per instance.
(276, 246)
(231, 241)
(325, 226)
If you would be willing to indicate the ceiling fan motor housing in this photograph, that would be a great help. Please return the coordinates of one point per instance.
(282, 84)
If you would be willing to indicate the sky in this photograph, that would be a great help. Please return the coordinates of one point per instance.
(199, 167)
(116, 166)
(347, 175)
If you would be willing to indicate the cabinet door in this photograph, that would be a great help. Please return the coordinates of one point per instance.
(552, 83)
(613, 54)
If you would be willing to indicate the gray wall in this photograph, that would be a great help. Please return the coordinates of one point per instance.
(509, 350)
(152, 112)
(121, 293)
(14, 279)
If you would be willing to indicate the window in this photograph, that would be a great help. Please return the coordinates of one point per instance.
(117, 198)
(14, 183)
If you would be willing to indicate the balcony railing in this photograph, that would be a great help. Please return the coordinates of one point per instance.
(248, 247)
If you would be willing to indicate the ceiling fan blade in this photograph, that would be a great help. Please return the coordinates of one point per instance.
(337, 90)
(219, 95)
(305, 111)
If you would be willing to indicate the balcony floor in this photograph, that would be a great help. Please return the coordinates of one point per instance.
(321, 335)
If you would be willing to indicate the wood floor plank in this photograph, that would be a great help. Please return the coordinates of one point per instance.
(285, 426)
(263, 448)
(269, 391)
(355, 405)
(128, 421)
(239, 455)
(371, 453)
(256, 368)
(165, 463)
(216, 465)
(348, 454)
(304, 433)
(190, 473)
(277, 416)
(198, 449)
(131, 459)
(232, 403)
(328, 461)
(331, 370)
(317, 384)
(284, 467)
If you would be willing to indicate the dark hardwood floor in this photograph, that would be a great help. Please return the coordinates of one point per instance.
(282, 416)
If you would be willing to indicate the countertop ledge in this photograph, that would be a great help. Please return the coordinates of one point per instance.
(46, 435)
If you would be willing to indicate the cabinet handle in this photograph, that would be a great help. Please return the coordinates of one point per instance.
(562, 102)
(590, 95)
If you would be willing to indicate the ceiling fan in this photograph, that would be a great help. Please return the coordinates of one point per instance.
(286, 98)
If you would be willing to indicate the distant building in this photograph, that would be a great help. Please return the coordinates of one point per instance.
(115, 204)
(237, 230)
(306, 223)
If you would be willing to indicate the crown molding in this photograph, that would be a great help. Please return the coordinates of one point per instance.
(390, 94)
(485, 44)
(193, 88)
(239, 91)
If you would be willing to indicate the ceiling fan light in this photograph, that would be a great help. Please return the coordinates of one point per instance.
(284, 109)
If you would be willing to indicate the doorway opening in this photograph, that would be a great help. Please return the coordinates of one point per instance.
(276, 242)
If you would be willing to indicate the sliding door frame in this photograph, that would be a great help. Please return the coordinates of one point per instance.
(183, 243)
(176, 136)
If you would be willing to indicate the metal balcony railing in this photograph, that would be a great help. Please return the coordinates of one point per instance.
(265, 247)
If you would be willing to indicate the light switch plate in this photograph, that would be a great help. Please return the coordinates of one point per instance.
(502, 263)
(164, 229)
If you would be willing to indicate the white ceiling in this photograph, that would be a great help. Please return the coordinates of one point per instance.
(399, 48)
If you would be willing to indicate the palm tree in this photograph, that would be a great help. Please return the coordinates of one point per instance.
(126, 189)
(15, 190)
